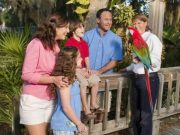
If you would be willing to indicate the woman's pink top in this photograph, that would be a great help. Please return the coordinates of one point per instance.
(38, 61)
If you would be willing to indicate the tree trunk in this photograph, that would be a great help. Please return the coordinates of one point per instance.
(95, 5)
(156, 17)
(176, 15)
(172, 14)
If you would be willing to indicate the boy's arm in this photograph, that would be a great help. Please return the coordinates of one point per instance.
(87, 62)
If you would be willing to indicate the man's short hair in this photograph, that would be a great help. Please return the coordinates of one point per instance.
(100, 11)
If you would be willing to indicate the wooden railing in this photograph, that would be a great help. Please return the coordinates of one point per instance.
(115, 90)
(119, 87)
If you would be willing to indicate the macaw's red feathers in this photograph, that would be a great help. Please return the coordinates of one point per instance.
(140, 47)
(148, 86)
(137, 39)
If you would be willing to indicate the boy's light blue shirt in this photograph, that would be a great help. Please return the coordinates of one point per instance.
(103, 49)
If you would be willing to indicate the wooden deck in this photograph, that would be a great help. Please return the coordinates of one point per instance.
(173, 131)
(115, 92)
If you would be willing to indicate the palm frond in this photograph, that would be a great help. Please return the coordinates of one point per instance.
(6, 109)
(12, 46)
(12, 43)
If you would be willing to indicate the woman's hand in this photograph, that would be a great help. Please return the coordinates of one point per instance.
(60, 81)
(136, 60)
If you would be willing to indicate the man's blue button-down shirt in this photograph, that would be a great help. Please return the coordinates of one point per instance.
(103, 49)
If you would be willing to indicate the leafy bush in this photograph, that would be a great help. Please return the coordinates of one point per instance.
(171, 40)
(79, 7)
(171, 35)
(122, 18)
(12, 46)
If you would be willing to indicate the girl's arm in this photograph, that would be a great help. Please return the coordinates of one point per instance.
(66, 105)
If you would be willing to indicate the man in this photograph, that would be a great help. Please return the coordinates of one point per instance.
(105, 47)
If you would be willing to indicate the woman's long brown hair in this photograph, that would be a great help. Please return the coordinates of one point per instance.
(47, 31)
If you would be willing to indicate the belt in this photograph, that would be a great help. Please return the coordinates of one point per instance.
(154, 74)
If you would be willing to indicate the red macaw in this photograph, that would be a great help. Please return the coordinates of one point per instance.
(140, 48)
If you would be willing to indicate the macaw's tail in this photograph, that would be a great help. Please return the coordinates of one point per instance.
(148, 86)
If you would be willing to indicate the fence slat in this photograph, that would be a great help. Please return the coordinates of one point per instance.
(118, 101)
(177, 90)
(106, 104)
(159, 102)
(169, 91)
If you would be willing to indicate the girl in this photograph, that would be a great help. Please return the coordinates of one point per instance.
(36, 104)
(66, 118)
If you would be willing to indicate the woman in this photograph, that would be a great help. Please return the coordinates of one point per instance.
(141, 111)
(36, 102)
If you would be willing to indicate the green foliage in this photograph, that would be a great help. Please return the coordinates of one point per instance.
(79, 7)
(10, 84)
(82, 2)
(112, 3)
(32, 11)
(171, 35)
(122, 18)
(10, 79)
(6, 109)
(122, 15)
(80, 10)
(140, 6)
(12, 43)
(171, 40)
(12, 46)
(10, 18)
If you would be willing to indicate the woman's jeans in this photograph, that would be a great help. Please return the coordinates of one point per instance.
(141, 111)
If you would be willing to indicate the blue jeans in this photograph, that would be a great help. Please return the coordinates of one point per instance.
(141, 112)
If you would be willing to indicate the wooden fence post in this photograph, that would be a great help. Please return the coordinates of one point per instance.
(156, 125)
(16, 127)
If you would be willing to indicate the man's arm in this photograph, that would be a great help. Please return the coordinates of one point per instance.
(106, 67)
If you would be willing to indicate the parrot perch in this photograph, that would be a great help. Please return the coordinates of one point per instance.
(140, 48)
